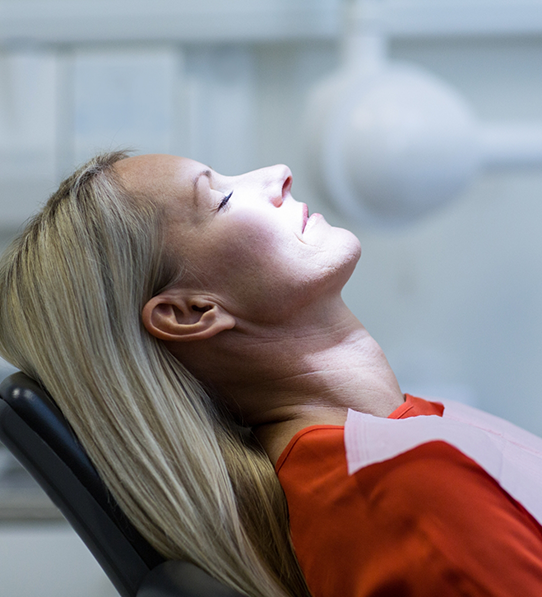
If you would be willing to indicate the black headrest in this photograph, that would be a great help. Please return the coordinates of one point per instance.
(38, 410)
(34, 429)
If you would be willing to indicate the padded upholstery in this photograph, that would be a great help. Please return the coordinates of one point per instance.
(35, 431)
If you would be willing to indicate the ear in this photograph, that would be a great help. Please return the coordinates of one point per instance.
(177, 315)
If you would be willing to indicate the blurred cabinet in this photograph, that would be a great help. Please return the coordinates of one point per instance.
(28, 122)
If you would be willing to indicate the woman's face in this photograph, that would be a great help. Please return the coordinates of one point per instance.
(244, 239)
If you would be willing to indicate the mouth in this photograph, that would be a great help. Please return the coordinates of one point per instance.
(305, 216)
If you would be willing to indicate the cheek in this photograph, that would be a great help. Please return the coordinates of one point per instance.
(252, 266)
(252, 257)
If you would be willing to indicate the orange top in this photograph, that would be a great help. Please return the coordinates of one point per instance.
(429, 522)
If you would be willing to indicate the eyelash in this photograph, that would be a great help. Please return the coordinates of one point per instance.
(225, 201)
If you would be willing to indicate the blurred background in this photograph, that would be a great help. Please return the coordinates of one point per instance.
(453, 295)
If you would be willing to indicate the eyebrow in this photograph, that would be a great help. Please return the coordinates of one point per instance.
(196, 178)
(208, 173)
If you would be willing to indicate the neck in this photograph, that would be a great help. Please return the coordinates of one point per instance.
(281, 381)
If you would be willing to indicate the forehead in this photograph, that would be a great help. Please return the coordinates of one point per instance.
(161, 177)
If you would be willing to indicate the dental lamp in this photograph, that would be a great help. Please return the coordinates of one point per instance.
(391, 142)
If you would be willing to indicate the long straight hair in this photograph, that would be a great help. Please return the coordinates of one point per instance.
(72, 288)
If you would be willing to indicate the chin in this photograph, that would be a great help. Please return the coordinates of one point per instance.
(352, 249)
(350, 266)
(347, 253)
(352, 246)
(356, 242)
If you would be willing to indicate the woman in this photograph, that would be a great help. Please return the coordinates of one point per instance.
(139, 264)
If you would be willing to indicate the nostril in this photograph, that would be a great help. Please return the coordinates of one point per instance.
(287, 185)
(279, 183)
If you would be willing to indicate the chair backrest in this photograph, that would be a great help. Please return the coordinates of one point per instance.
(35, 431)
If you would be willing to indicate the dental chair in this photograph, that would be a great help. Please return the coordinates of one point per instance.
(35, 431)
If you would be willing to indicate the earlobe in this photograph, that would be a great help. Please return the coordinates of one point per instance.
(175, 318)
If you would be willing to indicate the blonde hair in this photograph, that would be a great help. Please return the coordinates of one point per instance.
(72, 289)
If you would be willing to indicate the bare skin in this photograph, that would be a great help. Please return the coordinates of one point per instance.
(258, 315)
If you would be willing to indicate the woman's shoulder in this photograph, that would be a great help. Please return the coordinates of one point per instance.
(312, 442)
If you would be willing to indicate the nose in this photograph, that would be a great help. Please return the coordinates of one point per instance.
(280, 184)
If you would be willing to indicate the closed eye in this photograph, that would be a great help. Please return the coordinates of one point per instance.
(224, 201)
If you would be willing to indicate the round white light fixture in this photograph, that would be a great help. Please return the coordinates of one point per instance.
(391, 144)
